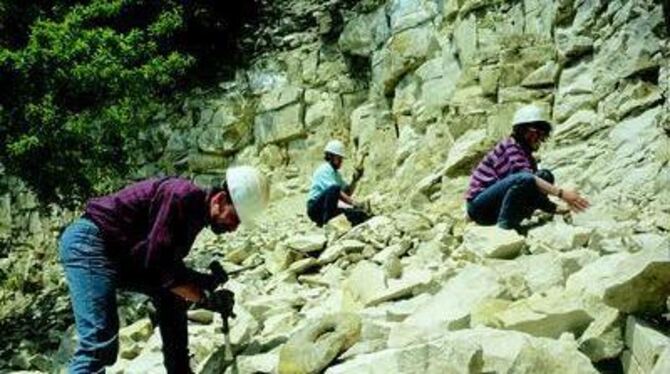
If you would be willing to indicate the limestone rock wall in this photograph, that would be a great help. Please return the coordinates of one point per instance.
(425, 87)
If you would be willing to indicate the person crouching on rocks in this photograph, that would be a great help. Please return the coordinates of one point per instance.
(507, 187)
(329, 196)
(136, 239)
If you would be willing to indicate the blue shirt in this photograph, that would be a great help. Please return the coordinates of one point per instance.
(324, 177)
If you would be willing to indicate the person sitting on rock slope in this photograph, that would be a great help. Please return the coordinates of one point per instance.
(329, 195)
(507, 187)
(137, 239)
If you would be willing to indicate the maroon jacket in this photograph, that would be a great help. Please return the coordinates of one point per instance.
(150, 226)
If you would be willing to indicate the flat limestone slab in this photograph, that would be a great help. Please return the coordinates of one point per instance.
(450, 308)
(480, 350)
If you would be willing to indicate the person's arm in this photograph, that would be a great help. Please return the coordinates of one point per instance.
(358, 173)
(574, 200)
(346, 198)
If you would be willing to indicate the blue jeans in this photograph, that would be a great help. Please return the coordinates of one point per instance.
(93, 278)
(324, 208)
(510, 200)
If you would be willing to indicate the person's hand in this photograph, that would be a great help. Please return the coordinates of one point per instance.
(220, 301)
(574, 200)
(218, 273)
(358, 173)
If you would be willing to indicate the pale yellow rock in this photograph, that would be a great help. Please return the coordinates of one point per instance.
(645, 344)
(311, 242)
(303, 265)
(663, 363)
(480, 350)
(549, 316)
(339, 248)
(558, 236)
(312, 348)
(139, 331)
(484, 313)
(493, 242)
(365, 33)
(630, 283)
(467, 152)
(403, 52)
(365, 283)
(201, 316)
(450, 308)
(603, 339)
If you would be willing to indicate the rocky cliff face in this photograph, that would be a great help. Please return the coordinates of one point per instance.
(424, 88)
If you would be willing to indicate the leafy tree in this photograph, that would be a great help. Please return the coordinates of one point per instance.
(82, 78)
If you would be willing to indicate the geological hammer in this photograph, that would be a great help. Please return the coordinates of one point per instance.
(221, 277)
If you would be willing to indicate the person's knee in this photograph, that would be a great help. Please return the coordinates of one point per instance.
(546, 175)
(525, 180)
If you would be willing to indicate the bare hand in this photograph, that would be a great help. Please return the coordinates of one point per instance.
(358, 173)
(575, 201)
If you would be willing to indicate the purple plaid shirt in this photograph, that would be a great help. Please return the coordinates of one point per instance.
(150, 227)
(507, 157)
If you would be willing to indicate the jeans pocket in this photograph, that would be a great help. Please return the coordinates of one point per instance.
(80, 240)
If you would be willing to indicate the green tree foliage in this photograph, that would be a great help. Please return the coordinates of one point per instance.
(81, 78)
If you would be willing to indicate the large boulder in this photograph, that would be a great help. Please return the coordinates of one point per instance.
(377, 231)
(450, 308)
(663, 363)
(546, 316)
(631, 283)
(540, 272)
(558, 236)
(480, 350)
(369, 285)
(603, 339)
(307, 243)
(312, 348)
(366, 281)
(645, 346)
(493, 242)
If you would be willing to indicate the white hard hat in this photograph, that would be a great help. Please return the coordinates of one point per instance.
(249, 191)
(528, 114)
(335, 147)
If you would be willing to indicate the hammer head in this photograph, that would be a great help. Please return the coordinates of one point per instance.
(217, 271)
